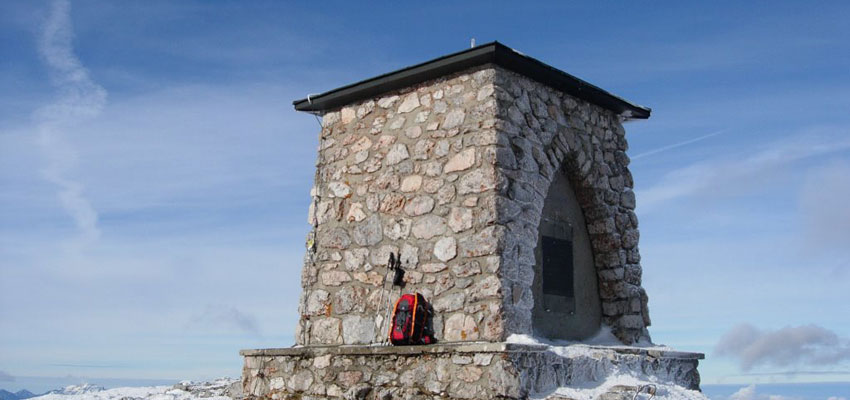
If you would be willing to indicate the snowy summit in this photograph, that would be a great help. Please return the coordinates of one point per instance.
(219, 389)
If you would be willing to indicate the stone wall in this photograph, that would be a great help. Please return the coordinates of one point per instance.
(410, 172)
(542, 130)
(473, 371)
(453, 174)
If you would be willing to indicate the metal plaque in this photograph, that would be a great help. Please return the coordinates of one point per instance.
(557, 266)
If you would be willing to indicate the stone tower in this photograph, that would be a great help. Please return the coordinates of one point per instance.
(503, 184)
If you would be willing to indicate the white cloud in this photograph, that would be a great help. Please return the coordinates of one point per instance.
(728, 175)
(220, 316)
(6, 377)
(750, 393)
(823, 207)
(78, 98)
(676, 145)
(809, 345)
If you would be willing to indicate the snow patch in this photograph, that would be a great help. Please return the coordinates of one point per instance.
(596, 379)
(77, 389)
(218, 389)
(593, 390)
(604, 337)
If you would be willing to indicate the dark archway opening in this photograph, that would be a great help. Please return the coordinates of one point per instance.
(566, 296)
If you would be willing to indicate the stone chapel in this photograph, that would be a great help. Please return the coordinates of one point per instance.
(503, 184)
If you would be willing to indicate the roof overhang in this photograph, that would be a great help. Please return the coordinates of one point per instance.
(490, 53)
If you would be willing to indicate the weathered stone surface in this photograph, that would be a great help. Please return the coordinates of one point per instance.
(454, 118)
(300, 381)
(449, 302)
(466, 268)
(397, 123)
(409, 255)
(484, 147)
(460, 219)
(419, 205)
(368, 232)
(326, 330)
(397, 154)
(357, 330)
(481, 244)
(477, 181)
(397, 228)
(472, 372)
(482, 359)
(350, 299)
(381, 255)
(487, 287)
(453, 173)
(337, 238)
(355, 259)
(433, 267)
(413, 132)
(371, 278)
(410, 103)
(356, 213)
(460, 327)
(334, 278)
(392, 203)
(446, 194)
(317, 302)
(460, 161)
(347, 114)
(429, 226)
(411, 183)
(364, 143)
(339, 189)
(445, 249)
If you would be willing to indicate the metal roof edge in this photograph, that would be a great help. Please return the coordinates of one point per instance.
(493, 52)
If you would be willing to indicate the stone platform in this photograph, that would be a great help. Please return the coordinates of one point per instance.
(467, 370)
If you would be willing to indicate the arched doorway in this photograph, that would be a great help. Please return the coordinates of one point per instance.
(566, 296)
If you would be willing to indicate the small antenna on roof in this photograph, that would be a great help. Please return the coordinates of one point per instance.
(472, 43)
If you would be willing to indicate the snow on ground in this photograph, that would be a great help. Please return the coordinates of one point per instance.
(602, 338)
(219, 389)
(77, 389)
(592, 390)
(594, 386)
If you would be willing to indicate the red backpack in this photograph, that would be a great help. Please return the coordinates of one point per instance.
(409, 321)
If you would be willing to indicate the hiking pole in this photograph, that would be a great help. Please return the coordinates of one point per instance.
(391, 264)
(398, 280)
(381, 304)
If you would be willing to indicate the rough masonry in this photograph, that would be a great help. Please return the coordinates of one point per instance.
(452, 173)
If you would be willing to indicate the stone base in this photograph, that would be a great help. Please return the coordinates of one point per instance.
(450, 370)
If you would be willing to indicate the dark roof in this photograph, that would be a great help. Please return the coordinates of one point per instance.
(493, 52)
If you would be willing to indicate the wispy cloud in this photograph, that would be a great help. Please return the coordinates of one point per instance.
(86, 366)
(722, 175)
(823, 207)
(6, 377)
(227, 317)
(793, 373)
(809, 345)
(78, 98)
(676, 145)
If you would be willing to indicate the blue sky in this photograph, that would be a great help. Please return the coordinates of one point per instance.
(155, 178)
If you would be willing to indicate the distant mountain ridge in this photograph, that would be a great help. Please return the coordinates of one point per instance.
(217, 389)
(77, 389)
(19, 395)
(67, 390)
